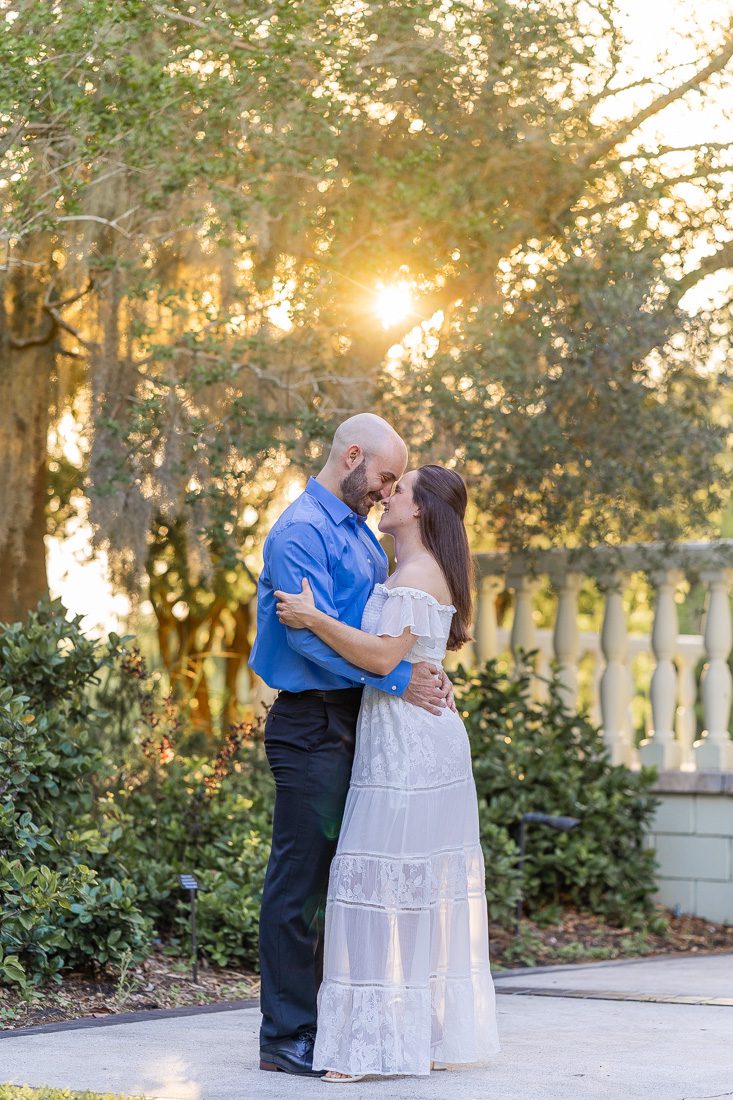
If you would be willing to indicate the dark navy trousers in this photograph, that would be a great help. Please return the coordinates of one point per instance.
(309, 740)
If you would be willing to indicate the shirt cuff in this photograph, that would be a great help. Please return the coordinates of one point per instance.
(395, 683)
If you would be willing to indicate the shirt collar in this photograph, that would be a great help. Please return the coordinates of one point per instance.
(337, 509)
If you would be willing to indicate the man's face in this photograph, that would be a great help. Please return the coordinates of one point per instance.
(371, 481)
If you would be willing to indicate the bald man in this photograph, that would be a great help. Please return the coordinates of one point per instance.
(311, 727)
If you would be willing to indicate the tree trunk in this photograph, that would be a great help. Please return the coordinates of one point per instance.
(24, 580)
(27, 357)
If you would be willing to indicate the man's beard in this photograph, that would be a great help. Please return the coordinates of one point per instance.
(354, 491)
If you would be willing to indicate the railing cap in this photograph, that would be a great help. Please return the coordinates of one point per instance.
(690, 558)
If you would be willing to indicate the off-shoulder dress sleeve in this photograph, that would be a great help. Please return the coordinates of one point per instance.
(426, 618)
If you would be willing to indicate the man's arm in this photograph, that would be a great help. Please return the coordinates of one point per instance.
(429, 687)
(379, 654)
(299, 551)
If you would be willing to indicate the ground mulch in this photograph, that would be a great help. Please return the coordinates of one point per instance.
(583, 937)
(159, 982)
(165, 982)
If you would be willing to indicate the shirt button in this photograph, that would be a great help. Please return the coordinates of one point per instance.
(394, 687)
(363, 680)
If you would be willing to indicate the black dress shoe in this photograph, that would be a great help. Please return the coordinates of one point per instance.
(293, 1055)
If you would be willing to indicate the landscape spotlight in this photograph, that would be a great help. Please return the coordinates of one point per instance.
(190, 883)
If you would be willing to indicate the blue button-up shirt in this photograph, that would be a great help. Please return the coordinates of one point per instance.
(318, 537)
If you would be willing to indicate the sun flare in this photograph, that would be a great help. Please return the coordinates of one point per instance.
(393, 303)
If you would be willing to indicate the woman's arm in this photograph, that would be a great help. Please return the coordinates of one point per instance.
(370, 651)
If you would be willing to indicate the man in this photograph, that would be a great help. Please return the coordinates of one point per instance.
(311, 727)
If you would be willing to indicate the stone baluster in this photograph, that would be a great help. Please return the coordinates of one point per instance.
(686, 724)
(523, 635)
(543, 672)
(661, 749)
(594, 710)
(487, 628)
(716, 750)
(633, 753)
(467, 655)
(566, 635)
(615, 695)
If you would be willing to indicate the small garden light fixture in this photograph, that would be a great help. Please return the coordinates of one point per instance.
(190, 883)
(562, 824)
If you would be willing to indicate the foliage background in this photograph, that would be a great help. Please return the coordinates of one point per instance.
(200, 205)
(110, 796)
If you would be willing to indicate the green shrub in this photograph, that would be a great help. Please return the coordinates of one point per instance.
(178, 810)
(102, 805)
(232, 853)
(503, 881)
(211, 817)
(538, 756)
(65, 898)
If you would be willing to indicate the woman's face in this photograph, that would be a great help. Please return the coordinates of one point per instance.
(400, 509)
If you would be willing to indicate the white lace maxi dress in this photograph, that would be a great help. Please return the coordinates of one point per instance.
(406, 968)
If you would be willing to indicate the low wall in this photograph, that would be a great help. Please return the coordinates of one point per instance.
(692, 835)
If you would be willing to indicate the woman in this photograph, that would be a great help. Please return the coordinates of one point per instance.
(406, 968)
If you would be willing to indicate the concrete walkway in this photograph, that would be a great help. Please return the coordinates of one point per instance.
(568, 1033)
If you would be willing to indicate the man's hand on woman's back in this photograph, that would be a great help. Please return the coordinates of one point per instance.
(429, 688)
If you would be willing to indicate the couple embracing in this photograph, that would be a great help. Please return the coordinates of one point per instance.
(375, 807)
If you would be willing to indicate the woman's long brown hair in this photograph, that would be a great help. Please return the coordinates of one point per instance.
(441, 498)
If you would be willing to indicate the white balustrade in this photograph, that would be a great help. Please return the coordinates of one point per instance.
(716, 751)
(543, 672)
(486, 632)
(686, 724)
(594, 711)
(672, 691)
(524, 634)
(566, 635)
(661, 749)
(614, 680)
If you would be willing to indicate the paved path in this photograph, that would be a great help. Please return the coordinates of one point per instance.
(686, 979)
(557, 1045)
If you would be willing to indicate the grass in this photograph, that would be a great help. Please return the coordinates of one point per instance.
(22, 1092)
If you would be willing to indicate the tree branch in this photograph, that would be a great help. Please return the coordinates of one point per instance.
(68, 354)
(717, 261)
(606, 92)
(715, 65)
(669, 150)
(101, 221)
(34, 341)
(59, 320)
(650, 195)
(51, 309)
(209, 28)
(63, 302)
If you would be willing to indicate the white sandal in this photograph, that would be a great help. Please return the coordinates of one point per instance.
(346, 1079)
